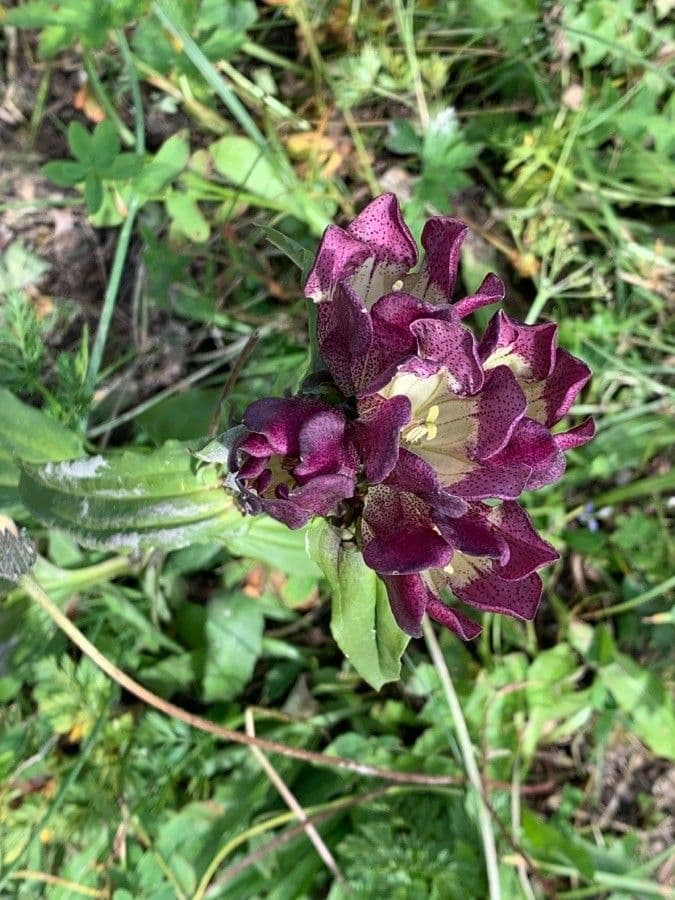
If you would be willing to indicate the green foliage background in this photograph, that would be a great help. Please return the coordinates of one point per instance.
(230, 134)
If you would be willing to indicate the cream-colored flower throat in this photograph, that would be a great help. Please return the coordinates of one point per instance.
(443, 426)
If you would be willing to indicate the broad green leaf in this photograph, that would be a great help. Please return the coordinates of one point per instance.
(362, 622)
(241, 161)
(81, 142)
(643, 697)
(164, 498)
(234, 627)
(105, 145)
(65, 172)
(168, 162)
(124, 166)
(186, 216)
(93, 191)
(30, 435)
(132, 500)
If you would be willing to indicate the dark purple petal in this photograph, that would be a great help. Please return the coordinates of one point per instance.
(500, 482)
(450, 346)
(577, 436)
(345, 335)
(557, 394)
(408, 598)
(501, 405)
(255, 445)
(285, 511)
(398, 535)
(252, 467)
(529, 350)
(414, 475)
(442, 240)
(380, 225)
(279, 420)
(339, 255)
(474, 534)
(462, 625)
(377, 433)
(324, 447)
(527, 551)
(490, 291)
(490, 593)
(531, 445)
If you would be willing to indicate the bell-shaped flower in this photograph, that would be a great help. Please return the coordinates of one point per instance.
(374, 315)
(492, 568)
(293, 459)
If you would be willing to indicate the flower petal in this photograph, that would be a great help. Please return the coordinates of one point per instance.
(279, 420)
(442, 240)
(408, 598)
(345, 335)
(398, 535)
(339, 255)
(324, 447)
(551, 399)
(528, 350)
(490, 291)
(377, 433)
(412, 474)
(488, 592)
(462, 625)
(527, 550)
(451, 346)
(577, 436)
(531, 446)
(380, 225)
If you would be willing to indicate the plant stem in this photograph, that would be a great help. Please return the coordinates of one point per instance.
(104, 100)
(210, 75)
(134, 86)
(466, 747)
(110, 297)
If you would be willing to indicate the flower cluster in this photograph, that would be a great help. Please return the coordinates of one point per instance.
(429, 424)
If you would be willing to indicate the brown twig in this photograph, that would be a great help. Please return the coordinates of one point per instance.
(35, 591)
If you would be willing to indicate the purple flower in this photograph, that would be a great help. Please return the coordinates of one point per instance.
(374, 314)
(293, 459)
(428, 423)
(491, 567)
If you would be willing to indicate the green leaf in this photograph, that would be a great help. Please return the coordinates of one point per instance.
(28, 434)
(105, 145)
(234, 627)
(241, 161)
(167, 164)
(64, 172)
(93, 191)
(186, 216)
(550, 843)
(123, 167)
(301, 256)
(644, 698)
(362, 622)
(133, 500)
(81, 142)
(164, 499)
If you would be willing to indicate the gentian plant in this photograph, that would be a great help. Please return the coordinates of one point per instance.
(417, 437)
